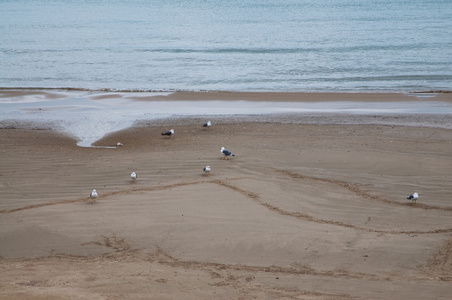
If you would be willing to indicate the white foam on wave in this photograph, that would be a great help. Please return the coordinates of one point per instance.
(24, 99)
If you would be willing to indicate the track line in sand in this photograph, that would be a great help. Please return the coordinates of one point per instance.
(250, 195)
(163, 257)
(309, 218)
(105, 195)
(5, 211)
(123, 252)
(297, 269)
(149, 189)
(356, 190)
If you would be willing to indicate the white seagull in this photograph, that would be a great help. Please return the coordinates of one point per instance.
(169, 132)
(93, 196)
(226, 153)
(134, 177)
(413, 198)
(208, 124)
(207, 170)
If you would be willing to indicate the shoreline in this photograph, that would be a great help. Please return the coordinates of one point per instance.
(89, 116)
(299, 96)
(435, 121)
(351, 91)
(303, 96)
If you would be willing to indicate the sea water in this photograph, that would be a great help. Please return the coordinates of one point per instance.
(246, 45)
(82, 49)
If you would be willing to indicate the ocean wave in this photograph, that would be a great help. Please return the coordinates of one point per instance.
(109, 90)
(287, 50)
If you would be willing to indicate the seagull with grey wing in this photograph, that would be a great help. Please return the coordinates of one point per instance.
(169, 132)
(93, 196)
(207, 170)
(226, 153)
(134, 177)
(413, 198)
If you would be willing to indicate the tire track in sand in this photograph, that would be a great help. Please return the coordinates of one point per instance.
(102, 196)
(106, 195)
(356, 190)
(250, 195)
(165, 258)
(306, 217)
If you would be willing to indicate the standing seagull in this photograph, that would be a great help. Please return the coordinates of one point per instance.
(207, 170)
(208, 124)
(134, 177)
(413, 198)
(226, 153)
(169, 132)
(93, 196)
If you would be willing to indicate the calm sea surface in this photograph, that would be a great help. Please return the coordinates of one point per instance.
(246, 45)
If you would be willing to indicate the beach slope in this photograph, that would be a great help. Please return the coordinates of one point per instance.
(302, 211)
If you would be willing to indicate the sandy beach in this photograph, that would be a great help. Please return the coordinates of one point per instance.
(310, 207)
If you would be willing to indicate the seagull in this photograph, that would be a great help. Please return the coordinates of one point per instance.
(226, 153)
(413, 198)
(133, 176)
(208, 124)
(169, 132)
(207, 170)
(93, 196)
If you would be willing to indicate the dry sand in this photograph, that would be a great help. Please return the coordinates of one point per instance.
(303, 211)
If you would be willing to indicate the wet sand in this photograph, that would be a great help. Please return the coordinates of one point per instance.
(296, 96)
(309, 208)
